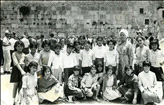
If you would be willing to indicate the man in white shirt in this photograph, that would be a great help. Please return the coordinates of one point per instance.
(12, 41)
(26, 43)
(87, 58)
(6, 52)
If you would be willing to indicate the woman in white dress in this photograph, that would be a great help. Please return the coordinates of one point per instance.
(109, 88)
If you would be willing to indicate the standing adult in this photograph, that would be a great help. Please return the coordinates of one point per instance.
(6, 52)
(26, 43)
(125, 50)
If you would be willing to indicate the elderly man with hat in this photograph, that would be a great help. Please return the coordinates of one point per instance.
(6, 52)
(125, 50)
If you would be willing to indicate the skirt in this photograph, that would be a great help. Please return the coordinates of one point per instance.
(52, 94)
(159, 73)
(16, 75)
(111, 94)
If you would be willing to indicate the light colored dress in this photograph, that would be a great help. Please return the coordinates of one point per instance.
(49, 89)
(29, 83)
(108, 92)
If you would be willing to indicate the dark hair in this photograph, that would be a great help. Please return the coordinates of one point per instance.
(32, 63)
(44, 68)
(87, 42)
(41, 36)
(52, 35)
(99, 38)
(146, 37)
(70, 46)
(111, 40)
(18, 43)
(127, 67)
(154, 41)
(46, 42)
(140, 37)
(33, 44)
(146, 63)
(107, 68)
(57, 45)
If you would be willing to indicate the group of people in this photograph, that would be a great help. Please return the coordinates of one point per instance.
(79, 68)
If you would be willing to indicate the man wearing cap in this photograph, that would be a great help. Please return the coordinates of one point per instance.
(150, 91)
(6, 52)
(125, 50)
(73, 86)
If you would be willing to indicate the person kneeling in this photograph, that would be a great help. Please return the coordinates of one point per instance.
(72, 87)
(90, 84)
(148, 85)
(49, 87)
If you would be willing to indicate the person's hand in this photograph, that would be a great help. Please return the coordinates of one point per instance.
(114, 87)
(134, 101)
(23, 72)
(27, 102)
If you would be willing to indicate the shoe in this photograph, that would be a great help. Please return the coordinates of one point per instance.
(96, 99)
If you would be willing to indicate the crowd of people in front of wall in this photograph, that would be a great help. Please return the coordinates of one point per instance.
(79, 68)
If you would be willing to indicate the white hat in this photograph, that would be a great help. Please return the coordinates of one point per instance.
(125, 32)
(7, 32)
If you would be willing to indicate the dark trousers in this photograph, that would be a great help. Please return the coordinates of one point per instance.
(158, 72)
(85, 70)
(67, 73)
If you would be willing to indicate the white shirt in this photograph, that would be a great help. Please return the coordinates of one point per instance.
(111, 58)
(6, 41)
(29, 57)
(156, 57)
(87, 57)
(12, 41)
(147, 80)
(26, 42)
(99, 52)
(69, 61)
(57, 61)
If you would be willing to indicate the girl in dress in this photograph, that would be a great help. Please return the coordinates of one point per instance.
(109, 88)
(49, 87)
(28, 92)
(18, 69)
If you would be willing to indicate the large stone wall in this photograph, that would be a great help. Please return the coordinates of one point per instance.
(78, 18)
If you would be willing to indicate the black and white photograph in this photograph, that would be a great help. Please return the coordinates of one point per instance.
(82, 52)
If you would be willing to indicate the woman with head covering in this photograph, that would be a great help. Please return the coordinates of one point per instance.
(125, 50)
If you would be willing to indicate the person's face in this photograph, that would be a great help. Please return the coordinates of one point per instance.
(110, 71)
(19, 48)
(47, 73)
(69, 50)
(78, 47)
(154, 47)
(76, 73)
(140, 41)
(122, 36)
(99, 42)
(146, 69)
(129, 72)
(33, 69)
(87, 46)
(111, 46)
(46, 48)
(93, 71)
(57, 51)
(33, 50)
